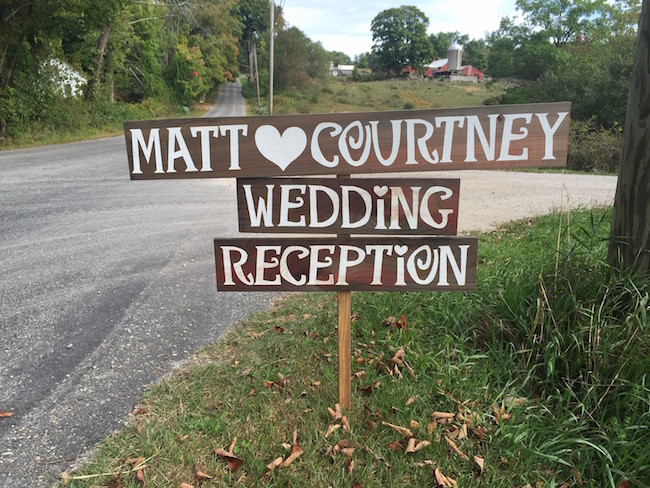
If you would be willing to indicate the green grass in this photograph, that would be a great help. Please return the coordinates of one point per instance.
(336, 95)
(78, 120)
(549, 325)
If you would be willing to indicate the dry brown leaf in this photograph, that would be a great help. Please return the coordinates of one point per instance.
(394, 446)
(296, 452)
(65, 477)
(398, 357)
(359, 375)
(410, 447)
(500, 414)
(274, 464)
(414, 424)
(400, 430)
(401, 322)
(306, 316)
(234, 463)
(480, 462)
(140, 411)
(337, 411)
(511, 401)
(444, 481)
(566, 484)
(624, 484)
(347, 451)
(432, 427)
(410, 401)
(200, 475)
(357, 485)
(331, 429)
(426, 462)
(479, 432)
(185, 485)
(278, 329)
(443, 417)
(139, 475)
(251, 393)
(315, 384)
(332, 413)
(454, 448)
(421, 444)
(345, 423)
(350, 464)
(369, 390)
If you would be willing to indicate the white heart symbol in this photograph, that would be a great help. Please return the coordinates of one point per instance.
(401, 250)
(280, 149)
(380, 191)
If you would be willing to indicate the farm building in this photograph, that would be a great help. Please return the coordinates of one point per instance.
(451, 67)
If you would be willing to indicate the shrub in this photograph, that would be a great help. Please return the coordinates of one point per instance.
(592, 148)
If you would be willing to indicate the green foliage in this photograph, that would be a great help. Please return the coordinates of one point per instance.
(400, 40)
(592, 148)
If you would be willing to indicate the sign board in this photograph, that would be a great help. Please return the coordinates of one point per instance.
(493, 137)
(361, 206)
(379, 264)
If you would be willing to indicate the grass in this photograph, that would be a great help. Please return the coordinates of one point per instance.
(78, 120)
(337, 95)
(544, 366)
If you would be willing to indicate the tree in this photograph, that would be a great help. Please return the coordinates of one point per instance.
(629, 246)
(400, 39)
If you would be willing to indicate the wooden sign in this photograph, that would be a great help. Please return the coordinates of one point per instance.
(500, 136)
(361, 206)
(381, 264)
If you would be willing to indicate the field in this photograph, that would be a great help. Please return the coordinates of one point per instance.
(336, 95)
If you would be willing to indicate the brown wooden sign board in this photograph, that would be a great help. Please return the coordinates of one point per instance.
(375, 206)
(493, 137)
(364, 264)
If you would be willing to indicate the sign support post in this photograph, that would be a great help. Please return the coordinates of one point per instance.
(344, 335)
(344, 347)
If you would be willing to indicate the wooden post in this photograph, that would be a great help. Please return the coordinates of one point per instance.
(344, 340)
(344, 299)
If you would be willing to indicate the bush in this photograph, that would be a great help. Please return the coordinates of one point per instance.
(592, 148)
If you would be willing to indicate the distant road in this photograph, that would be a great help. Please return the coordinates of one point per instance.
(105, 285)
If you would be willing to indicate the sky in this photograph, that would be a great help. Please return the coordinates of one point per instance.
(344, 25)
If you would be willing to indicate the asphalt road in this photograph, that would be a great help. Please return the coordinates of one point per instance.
(106, 285)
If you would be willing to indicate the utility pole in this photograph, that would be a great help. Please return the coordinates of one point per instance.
(271, 58)
(257, 72)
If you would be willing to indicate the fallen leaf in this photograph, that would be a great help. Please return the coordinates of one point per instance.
(345, 423)
(274, 464)
(410, 401)
(185, 485)
(414, 424)
(331, 429)
(394, 446)
(426, 462)
(410, 446)
(234, 463)
(296, 452)
(624, 484)
(251, 393)
(432, 427)
(370, 389)
(500, 414)
(397, 358)
(65, 477)
(200, 475)
(444, 481)
(278, 329)
(337, 411)
(357, 485)
(350, 464)
(511, 401)
(306, 316)
(6, 415)
(566, 484)
(401, 322)
(139, 475)
(454, 448)
(140, 411)
(480, 462)
(443, 417)
(479, 432)
(359, 375)
(400, 430)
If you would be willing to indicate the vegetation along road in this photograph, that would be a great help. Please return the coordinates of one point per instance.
(107, 284)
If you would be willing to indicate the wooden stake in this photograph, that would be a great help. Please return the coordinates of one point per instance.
(344, 299)
(345, 357)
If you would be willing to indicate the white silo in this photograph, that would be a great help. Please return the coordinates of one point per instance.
(455, 56)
